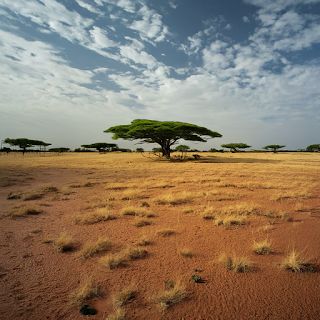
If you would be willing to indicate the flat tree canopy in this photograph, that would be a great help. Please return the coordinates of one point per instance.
(24, 143)
(313, 147)
(273, 147)
(235, 146)
(165, 133)
(100, 146)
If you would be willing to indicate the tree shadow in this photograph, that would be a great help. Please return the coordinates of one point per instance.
(217, 159)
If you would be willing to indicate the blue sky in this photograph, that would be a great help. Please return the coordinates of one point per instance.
(249, 69)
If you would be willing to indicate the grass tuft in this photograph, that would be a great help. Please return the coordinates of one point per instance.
(135, 253)
(165, 232)
(124, 296)
(262, 247)
(185, 252)
(101, 214)
(140, 222)
(296, 262)
(118, 314)
(23, 211)
(143, 240)
(170, 297)
(112, 261)
(86, 290)
(63, 243)
(14, 195)
(230, 221)
(174, 199)
(236, 263)
(91, 248)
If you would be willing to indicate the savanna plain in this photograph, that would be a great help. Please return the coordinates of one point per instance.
(122, 236)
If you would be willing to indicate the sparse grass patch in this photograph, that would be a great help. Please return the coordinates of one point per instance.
(64, 242)
(132, 194)
(170, 297)
(14, 195)
(118, 314)
(46, 239)
(304, 194)
(229, 221)
(187, 210)
(135, 253)
(48, 189)
(209, 213)
(86, 290)
(241, 209)
(300, 207)
(267, 228)
(174, 199)
(279, 215)
(116, 186)
(33, 196)
(23, 211)
(142, 212)
(101, 214)
(296, 262)
(91, 248)
(124, 296)
(143, 240)
(112, 261)
(165, 232)
(140, 222)
(236, 263)
(262, 247)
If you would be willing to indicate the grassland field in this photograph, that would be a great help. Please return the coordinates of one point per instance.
(228, 236)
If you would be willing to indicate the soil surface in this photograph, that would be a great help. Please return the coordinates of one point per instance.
(37, 280)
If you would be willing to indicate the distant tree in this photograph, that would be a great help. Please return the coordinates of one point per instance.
(59, 150)
(101, 146)
(235, 146)
(182, 148)
(313, 148)
(273, 147)
(139, 150)
(164, 133)
(24, 143)
(124, 150)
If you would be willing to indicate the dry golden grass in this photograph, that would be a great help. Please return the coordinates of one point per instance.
(143, 240)
(303, 194)
(301, 207)
(12, 195)
(185, 252)
(235, 263)
(241, 209)
(262, 247)
(86, 290)
(209, 213)
(116, 186)
(112, 261)
(136, 211)
(174, 199)
(91, 248)
(49, 188)
(165, 232)
(64, 242)
(33, 196)
(97, 204)
(296, 262)
(23, 211)
(46, 239)
(170, 297)
(133, 194)
(124, 296)
(118, 314)
(135, 253)
(229, 221)
(102, 214)
(274, 214)
(267, 228)
(140, 222)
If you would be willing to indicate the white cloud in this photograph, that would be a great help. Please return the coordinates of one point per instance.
(100, 38)
(245, 19)
(126, 5)
(101, 70)
(89, 7)
(140, 57)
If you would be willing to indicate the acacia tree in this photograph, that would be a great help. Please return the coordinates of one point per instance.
(24, 143)
(273, 147)
(235, 146)
(101, 146)
(59, 150)
(313, 148)
(164, 133)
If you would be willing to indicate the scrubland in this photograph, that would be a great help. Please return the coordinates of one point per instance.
(229, 236)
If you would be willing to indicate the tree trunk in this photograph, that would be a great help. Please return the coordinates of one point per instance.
(165, 151)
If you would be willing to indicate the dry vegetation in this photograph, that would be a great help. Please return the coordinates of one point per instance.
(177, 207)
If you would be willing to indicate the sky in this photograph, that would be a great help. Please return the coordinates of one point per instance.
(248, 69)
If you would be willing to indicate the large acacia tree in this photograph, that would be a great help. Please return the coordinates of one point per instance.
(235, 146)
(101, 146)
(24, 143)
(164, 133)
(313, 148)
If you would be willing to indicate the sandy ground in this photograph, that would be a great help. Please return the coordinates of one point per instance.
(37, 280)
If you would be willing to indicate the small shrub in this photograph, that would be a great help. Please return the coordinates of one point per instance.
(140, 222)
(135, 253)
(112, 261)
(46, 240)
(86, 290)
(33, 196)
(296, 262)
(263, 247)
(91, 248)
(230, 221)
(170, 297)
(165, 232)
(63, 243)
(23, 211)
(236, 263)
(196, 278)
(241, 209)
(174, 199)
(131, 211)
(300, 207)
(14, 195)
(49, 188)
(132, 194)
